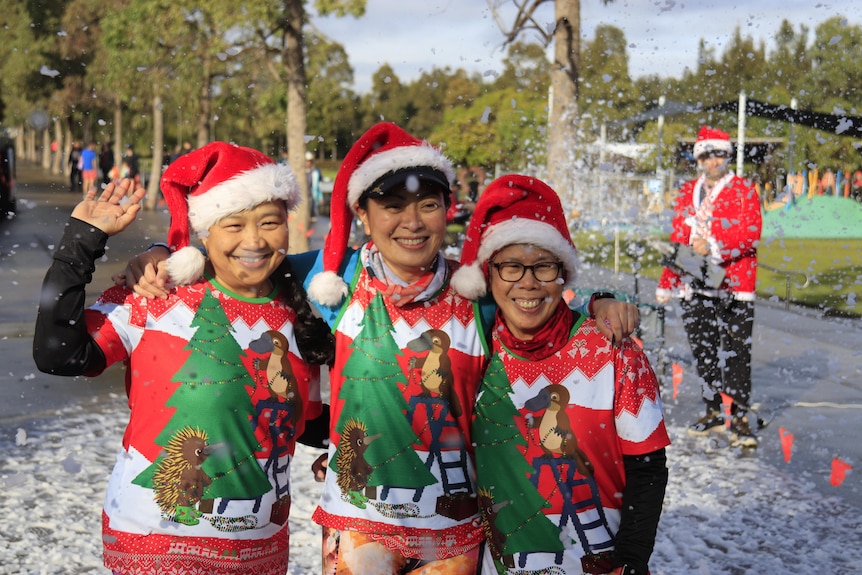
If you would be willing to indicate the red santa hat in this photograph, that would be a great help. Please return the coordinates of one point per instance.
(211, 183)
(712, 141)
(383, 158)
(513, 209)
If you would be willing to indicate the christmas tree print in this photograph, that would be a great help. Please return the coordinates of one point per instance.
(212, 396)
(372, 394)
(503, 471)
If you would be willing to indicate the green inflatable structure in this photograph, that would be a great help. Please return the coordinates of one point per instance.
(821, 217)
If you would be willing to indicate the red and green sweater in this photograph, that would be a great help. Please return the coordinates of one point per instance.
(402, 392)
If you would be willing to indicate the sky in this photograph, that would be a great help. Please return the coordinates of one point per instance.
(417, 35)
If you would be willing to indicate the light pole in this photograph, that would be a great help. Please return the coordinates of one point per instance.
(658, 169)
(792, 144)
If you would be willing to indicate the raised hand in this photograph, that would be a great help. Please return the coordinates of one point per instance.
(115, 208)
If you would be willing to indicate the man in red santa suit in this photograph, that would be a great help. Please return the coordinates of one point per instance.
(717, 221)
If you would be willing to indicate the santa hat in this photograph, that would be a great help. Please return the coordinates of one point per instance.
(513, 209)
(710, 141)
(213, 182)
(384, 157)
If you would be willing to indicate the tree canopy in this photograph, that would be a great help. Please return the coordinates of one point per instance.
(107, 70)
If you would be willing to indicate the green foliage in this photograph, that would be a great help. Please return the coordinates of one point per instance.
(834, 268)
(503, 125)
(332, 112)
(340, 8)
(606, 92)
(218, 60)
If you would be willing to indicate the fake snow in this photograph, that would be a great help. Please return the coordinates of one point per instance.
(726, 511)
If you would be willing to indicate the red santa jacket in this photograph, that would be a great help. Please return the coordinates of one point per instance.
(734, 232)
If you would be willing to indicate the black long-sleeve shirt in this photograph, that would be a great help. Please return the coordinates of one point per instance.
(61, 343)
(643, 498)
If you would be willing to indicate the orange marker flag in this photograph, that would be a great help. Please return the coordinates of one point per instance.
(839, 471)
(677, 378)
(726, 404)
(786, 443)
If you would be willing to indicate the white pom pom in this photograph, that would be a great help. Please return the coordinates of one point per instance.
(185, 266)
(469, 281)
(327, 288)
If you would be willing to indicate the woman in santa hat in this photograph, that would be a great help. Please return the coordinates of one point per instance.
(217, 386)
(568, 430)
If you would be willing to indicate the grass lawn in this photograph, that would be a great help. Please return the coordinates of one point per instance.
(833, 267)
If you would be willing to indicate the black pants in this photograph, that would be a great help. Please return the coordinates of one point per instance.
(76, 183)
(719, 333)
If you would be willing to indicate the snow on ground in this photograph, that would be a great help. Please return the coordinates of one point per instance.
(726, 511)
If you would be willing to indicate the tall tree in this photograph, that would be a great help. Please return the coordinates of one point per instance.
(607, 92)
(179, 43)
(387, 99)
(279, 26)
(332, 105)
(435, 92)
(835, 85)
(503, 128)
(564, 115)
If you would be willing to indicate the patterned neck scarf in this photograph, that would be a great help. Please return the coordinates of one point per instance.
(550, 339)
(395, 289)
(704, 198)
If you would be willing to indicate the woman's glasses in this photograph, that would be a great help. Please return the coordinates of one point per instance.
(514, 271)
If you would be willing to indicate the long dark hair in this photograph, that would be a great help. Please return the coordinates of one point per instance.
(313, 336)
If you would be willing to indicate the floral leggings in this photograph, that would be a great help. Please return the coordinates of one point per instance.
(358, 554)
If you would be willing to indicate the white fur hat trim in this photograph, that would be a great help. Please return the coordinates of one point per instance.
(389, 161)
(186, 265)
(327, 288)
(470, 281)
(266, 183)
(702, 147)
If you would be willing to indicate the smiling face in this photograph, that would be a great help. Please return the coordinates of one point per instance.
(408, 229)
(528, 303)
(244, 249)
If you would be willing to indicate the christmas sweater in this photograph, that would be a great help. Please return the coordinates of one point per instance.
(731, 221)
(218, 397)
(549, 437)
(402, 391)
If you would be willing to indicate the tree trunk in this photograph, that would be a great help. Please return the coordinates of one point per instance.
(296, 121)
(563, 119)
(158, 148)
(46, 149)
(118, 130)
(58, 163)
(205, 100)
(31, 143)
(19, 142)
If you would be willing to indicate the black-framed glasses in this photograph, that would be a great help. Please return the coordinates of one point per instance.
(514, 271)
